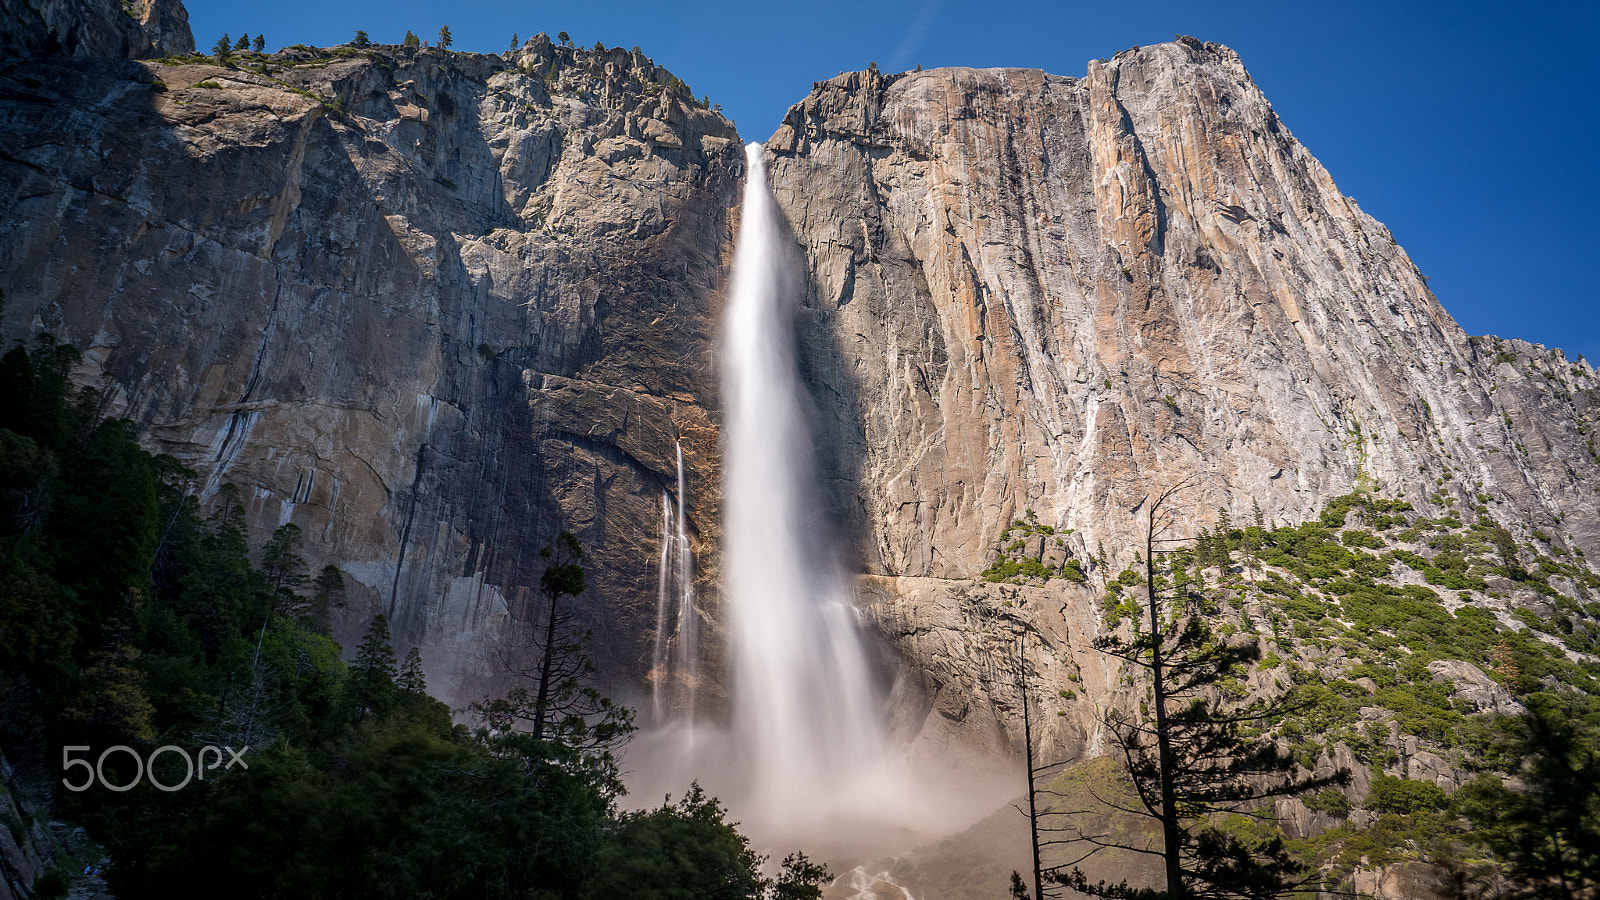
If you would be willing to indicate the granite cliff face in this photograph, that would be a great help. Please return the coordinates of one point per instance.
(1029, 292)
(430, 307)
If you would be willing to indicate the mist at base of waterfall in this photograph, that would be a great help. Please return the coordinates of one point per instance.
(924, 794)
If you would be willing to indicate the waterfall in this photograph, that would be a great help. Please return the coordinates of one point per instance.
(675, 661)
(805, 711)
(687, 663)
(658, 659)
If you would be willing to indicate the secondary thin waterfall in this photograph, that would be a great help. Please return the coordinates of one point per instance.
(675, 662)
(687, 663)
(658, 660)
(804, 707)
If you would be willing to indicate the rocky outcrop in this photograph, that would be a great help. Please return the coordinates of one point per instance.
(430, 307)
(1473, 690)
(95, 28)
(27, 849)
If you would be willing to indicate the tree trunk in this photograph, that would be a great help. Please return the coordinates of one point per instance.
(1169, 804)
(1027, 742)
(542, 705)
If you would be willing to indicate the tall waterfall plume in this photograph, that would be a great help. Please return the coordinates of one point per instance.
(805, 710)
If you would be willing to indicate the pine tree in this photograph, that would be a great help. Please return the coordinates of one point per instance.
(1548, 831)
(373, 674)
(1187, 751)
(361, 39)
(444, 37)
(222, 49)
(284, 570)
(514, 42)
(328, 595)
(552, 659)
(1204, 556)
(411, 679)
(260, 44)
(1255, 536)
(411, 40)
(243, 43)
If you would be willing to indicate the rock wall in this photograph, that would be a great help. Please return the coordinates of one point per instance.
(93, 28)
(1030, 292)
(430, 307)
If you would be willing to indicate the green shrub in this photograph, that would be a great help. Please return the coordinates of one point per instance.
(1402, 796)
(1328, 800)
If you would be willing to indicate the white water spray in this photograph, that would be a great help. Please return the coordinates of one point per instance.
(805, 711)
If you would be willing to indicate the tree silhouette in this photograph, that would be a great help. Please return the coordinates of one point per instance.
(555, 702)
(1191, 755)
(444, 37)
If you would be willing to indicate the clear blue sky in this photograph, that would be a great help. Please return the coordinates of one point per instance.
(1469, 128)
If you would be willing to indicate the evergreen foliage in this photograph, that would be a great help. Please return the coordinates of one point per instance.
(411, 679)
(1014, 564)
(1356, 641)
(551, 660)
(411, 40)
(1549, 833)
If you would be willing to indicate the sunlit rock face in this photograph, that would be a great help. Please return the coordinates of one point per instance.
(1030, 292)
(430, 307)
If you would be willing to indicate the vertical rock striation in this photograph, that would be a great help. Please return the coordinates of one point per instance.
(1030, 292)
(430, 307)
